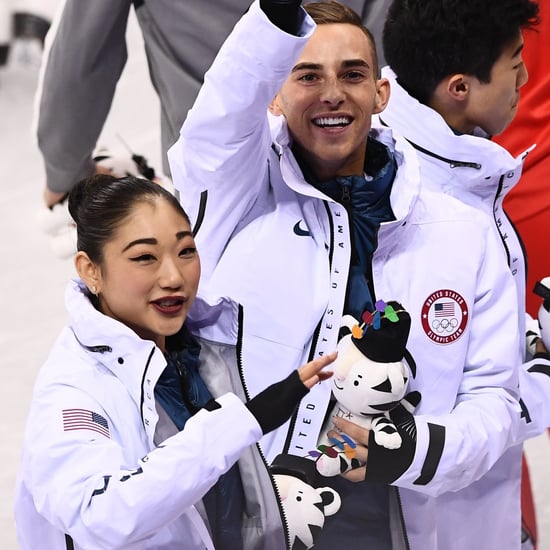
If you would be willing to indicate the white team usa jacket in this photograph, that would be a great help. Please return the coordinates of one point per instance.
(92, 476)
(281, 249)
(479, 172)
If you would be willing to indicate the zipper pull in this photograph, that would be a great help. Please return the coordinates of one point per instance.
(346, 195)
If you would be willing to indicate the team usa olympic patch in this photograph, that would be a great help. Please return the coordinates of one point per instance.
(444, 316)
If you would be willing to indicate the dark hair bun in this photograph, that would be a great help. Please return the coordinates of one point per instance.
(84, 190)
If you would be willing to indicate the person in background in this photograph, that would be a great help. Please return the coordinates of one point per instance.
(310, 214)
(464, 91)
(132, 421)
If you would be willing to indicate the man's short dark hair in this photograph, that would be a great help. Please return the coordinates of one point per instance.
(426, 40)
(324, 13)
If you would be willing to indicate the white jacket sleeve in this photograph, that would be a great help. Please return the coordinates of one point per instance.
(534, 382)
(225, 140)
(90, 488)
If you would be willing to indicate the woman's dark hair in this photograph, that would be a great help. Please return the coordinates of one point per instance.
(325, 13)
(99, 205)
(427, 40)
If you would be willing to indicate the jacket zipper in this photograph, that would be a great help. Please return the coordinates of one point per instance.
(260, 452)
(504, 244)
(93, 349)
(185, 387)
(346, 196)
(402, 519)
(450, 162)
(284, 521)
(142, 397)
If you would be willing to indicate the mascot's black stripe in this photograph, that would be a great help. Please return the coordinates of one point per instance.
(541, 368)
(433, 456)
(69, 542)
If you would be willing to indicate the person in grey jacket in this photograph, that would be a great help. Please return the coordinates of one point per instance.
(134, 428)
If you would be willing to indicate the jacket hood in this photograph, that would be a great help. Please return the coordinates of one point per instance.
(94, 330)
(111, 343)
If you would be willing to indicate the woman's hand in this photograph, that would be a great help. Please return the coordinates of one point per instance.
(312, 372)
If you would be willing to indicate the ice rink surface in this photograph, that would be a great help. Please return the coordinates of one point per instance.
(32, 279)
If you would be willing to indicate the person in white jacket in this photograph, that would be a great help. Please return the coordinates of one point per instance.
(85, 54)
(310, 214)
(124, 438)
(467, 92)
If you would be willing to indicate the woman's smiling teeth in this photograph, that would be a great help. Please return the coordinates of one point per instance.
(168, 304)
(332, 122)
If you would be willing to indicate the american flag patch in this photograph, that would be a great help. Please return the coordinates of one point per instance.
(444, 309)
(82, 419)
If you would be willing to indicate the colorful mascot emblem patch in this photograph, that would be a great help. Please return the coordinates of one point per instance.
(444, 316)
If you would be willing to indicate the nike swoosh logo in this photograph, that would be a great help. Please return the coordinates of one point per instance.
(299, 231)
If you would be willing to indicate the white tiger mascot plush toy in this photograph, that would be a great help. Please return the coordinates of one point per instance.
(370, 379)
(305, 507)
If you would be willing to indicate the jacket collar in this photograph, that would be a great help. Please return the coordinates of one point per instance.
(406, 185)
(110, 339)
(136, 362)
(94, 331)
(474, 157)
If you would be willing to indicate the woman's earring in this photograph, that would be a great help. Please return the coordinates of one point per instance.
(94, 290)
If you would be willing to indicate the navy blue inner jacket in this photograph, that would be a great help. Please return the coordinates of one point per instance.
(363, 520)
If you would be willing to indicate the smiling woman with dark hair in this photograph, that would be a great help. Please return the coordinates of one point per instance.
(133, 420)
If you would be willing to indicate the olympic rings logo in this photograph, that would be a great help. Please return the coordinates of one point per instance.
(444, 316)
(444, 325)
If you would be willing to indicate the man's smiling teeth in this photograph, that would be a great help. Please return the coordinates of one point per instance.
(330, 122)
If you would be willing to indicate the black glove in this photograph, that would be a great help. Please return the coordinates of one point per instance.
(283, 13)
(275, 405)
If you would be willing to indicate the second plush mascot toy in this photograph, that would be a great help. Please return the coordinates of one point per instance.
(305, 506)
